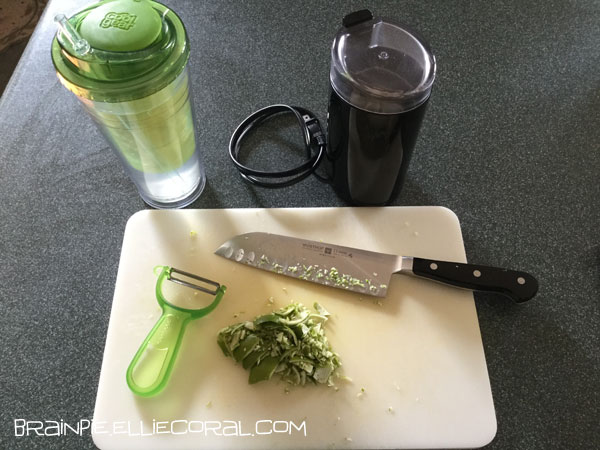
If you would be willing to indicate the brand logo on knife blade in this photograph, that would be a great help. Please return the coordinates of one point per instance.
(313, 247)
(326, 251)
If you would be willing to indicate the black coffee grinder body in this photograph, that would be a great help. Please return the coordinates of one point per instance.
(381, 77)
(368, 153)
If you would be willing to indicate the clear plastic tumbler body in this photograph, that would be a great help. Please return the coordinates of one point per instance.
(154, 137)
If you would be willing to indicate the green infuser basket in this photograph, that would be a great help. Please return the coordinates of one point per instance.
(126, 61)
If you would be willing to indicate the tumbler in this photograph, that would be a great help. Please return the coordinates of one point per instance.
(126, 61)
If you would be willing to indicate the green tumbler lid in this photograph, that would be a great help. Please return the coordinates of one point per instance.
(121, 26)
(120, 50)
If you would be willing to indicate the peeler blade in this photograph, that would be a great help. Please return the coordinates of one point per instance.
(192, 285)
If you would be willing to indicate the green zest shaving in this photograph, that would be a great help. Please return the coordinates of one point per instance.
(290, 342)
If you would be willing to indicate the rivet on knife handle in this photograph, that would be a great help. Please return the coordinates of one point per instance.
(520, 286)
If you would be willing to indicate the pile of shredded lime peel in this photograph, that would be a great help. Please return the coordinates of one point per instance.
(289, 342)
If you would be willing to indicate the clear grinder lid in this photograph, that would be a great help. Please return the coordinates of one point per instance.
(380, 66)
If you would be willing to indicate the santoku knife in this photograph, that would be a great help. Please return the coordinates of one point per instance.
(364, 271)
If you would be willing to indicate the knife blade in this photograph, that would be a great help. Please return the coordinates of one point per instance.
(364, 271)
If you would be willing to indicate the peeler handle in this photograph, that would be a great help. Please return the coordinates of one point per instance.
(151, 366)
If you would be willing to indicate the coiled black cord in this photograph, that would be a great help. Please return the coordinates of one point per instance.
(314, 143)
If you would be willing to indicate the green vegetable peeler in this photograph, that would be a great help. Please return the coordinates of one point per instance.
(151, 366)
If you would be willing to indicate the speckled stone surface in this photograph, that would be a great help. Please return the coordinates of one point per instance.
(510, 143)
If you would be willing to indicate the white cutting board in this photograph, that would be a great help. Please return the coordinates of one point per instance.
(417, 353)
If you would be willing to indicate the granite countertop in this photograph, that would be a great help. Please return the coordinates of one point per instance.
(510, 143)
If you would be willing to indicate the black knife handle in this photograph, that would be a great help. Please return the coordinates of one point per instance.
(520, 286)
